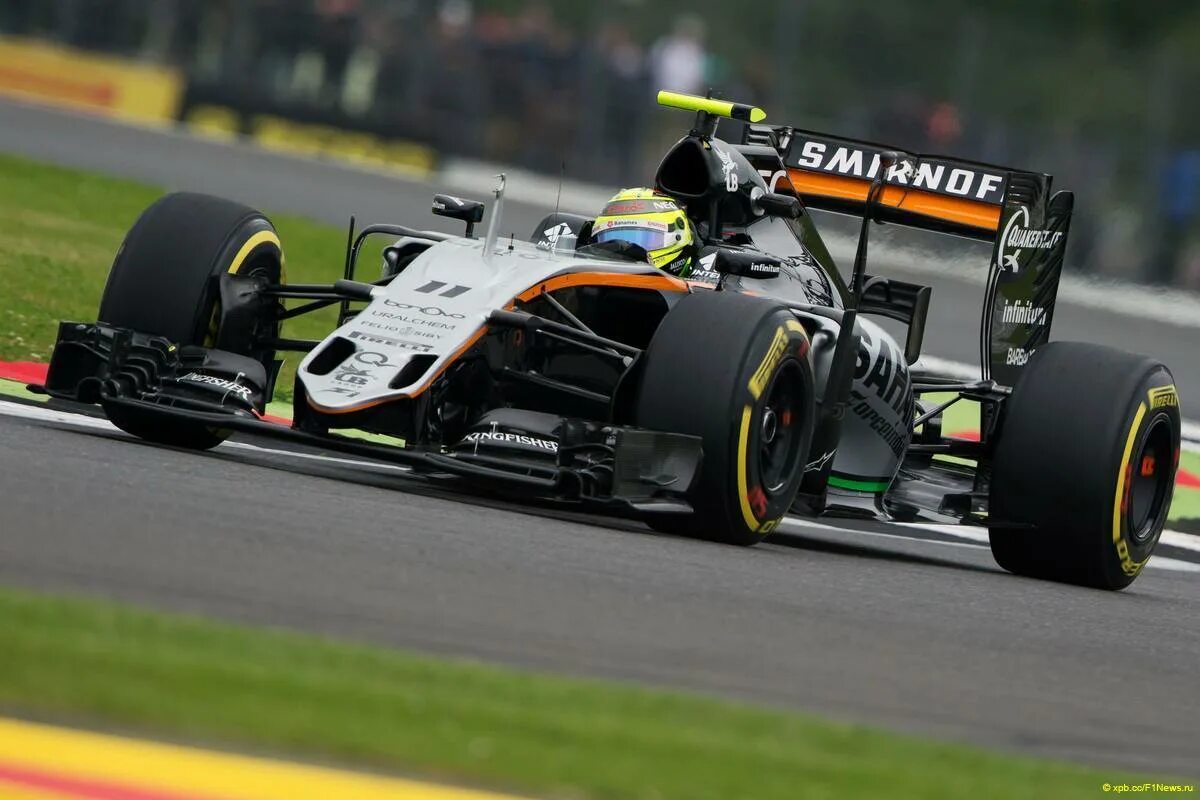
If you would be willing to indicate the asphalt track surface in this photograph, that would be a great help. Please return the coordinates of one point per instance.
(905, 628)
(922, 635)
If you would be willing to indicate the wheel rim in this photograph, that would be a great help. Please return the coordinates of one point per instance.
(777, 431)
(1150, 484)
(260, 268)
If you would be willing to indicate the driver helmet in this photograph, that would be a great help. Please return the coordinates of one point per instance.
(651, 220)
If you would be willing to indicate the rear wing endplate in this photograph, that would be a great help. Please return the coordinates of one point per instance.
(1013, 209)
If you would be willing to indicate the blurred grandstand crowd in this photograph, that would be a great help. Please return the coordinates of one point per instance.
(475, 81)
(543, 83)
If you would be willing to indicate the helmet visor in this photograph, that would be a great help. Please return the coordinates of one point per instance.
(649, 236)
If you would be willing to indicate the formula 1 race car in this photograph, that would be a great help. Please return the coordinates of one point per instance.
(707, 407)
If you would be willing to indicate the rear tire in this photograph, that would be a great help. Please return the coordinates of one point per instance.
(733, 370)
(1086, 460)
(164, 283)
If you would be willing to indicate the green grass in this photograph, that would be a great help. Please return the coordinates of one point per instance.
(18, 390)
(59, 231)
(1186, 503)
(105, 664)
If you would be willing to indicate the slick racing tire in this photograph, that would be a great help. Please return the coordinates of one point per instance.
(735, 371)
(1084, 466)
(164, 283)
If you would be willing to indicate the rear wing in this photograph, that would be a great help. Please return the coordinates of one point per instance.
(1013, 209)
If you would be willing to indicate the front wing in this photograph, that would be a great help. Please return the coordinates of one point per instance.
(620, 468)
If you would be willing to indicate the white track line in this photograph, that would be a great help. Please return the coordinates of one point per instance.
(976, 538)
(25, 411)
(1185, 541)
(975, 535)
(810, 524)
(349, 462)
(95, 423)
(969, 532)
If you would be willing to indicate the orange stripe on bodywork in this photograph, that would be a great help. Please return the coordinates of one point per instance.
(915, 201)
(662, 282)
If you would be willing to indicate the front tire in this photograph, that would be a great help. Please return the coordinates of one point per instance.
(163, 282)
(733, 370)
(1084, 466)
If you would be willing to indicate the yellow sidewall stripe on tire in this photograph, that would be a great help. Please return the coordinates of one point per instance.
(150, 768)
(254, 241)
(743, 490)
(1133, 429)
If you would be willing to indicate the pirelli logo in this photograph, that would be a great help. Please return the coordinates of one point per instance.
(1163, 397)
(775, 354)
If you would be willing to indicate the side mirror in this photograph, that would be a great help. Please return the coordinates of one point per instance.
(747, 264)
(780, 205)
(468, 211)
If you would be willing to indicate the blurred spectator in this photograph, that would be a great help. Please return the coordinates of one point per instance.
(902, 121)
(549, 81)
(540, 83)
(320, 68)
(448, 93)
(944, 128)
(1181, 208)
(280, 42)
(679, 62)
(618, 80)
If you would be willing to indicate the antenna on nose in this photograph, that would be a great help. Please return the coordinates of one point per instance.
(489, 241)
(562, 176)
